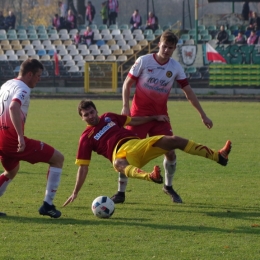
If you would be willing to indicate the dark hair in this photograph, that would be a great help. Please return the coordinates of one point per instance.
(30, 65)
(169, 36)
(85, 104)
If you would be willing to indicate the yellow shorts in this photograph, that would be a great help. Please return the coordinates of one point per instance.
(138, 152)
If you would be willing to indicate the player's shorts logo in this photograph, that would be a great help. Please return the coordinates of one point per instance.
(169, 74)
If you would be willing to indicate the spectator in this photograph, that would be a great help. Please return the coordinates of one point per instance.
(10, 21)
(70, 21)
(63, 9)
(241, 38)
(104, 12)
(152, 22)
(90, 12)
(253, 38)
(2, 20)
(57, 22)
(136, 20)
(245, 11)
(88, 36)
(112, 6)
(77, 38)
(222, 35)
(254, 22)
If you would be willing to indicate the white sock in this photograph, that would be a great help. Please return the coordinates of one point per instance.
(122, 182)
(52, 184)
(169, 168)
(4, 186)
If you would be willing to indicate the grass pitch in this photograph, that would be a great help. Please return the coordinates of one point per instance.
(219, 219)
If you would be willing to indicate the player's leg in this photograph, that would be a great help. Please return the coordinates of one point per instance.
(188, 146)
(35, 152)
(119, 197)
(134, 154)
(5, 179)
(132, 171)
(169, 162)
(53, 181)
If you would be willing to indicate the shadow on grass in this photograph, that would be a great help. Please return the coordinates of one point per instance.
(116, 222)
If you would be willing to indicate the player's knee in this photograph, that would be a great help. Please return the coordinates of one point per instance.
(171, 155)
(119, 164)
(116, 164)
(57, 159)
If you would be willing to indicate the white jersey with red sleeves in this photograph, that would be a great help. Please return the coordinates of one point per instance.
(153, 84)
(12, 90)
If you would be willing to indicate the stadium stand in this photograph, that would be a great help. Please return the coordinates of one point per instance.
(111, 58)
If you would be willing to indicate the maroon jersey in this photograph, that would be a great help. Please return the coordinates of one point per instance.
(103, 137)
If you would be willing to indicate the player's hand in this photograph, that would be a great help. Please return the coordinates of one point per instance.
(207, 122)
(21, 144)
(125, 111)
(163, 118)
(70, 199)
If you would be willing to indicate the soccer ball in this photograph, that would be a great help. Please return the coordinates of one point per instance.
(103, 207)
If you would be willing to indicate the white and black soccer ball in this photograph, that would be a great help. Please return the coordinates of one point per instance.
(103, 207)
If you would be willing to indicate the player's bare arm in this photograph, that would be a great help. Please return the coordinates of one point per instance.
(15, 113)
(126, 95)
(144, 119)
(190, 95)
(81, 177)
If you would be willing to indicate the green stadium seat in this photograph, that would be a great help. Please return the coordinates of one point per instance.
(81, 27)
(30, 27)
(158, 32)
(206, 37)
(113, 26)
(123, 26)
(185, 37)
(212, 28)
(41, 31)
(40, 27)
(233, 28)
(201, 27)
(31, 31)
(102, 26)
(43, 37)
(12, 37)
(18, 27)
(190, 70)
(32, 37)
(150, 37)
(204, 32)
(3, 37)
(22, 37)
(166, 27)
(147, 32)
(93, 26)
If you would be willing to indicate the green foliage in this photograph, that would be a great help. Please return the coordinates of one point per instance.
(219, 219)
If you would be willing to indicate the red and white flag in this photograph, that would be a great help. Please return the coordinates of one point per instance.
(213, 55)
(56, 62)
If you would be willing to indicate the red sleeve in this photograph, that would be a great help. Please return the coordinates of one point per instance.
(132, 76)
(183, 82)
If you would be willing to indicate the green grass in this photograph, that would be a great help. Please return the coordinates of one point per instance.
(219, 219)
